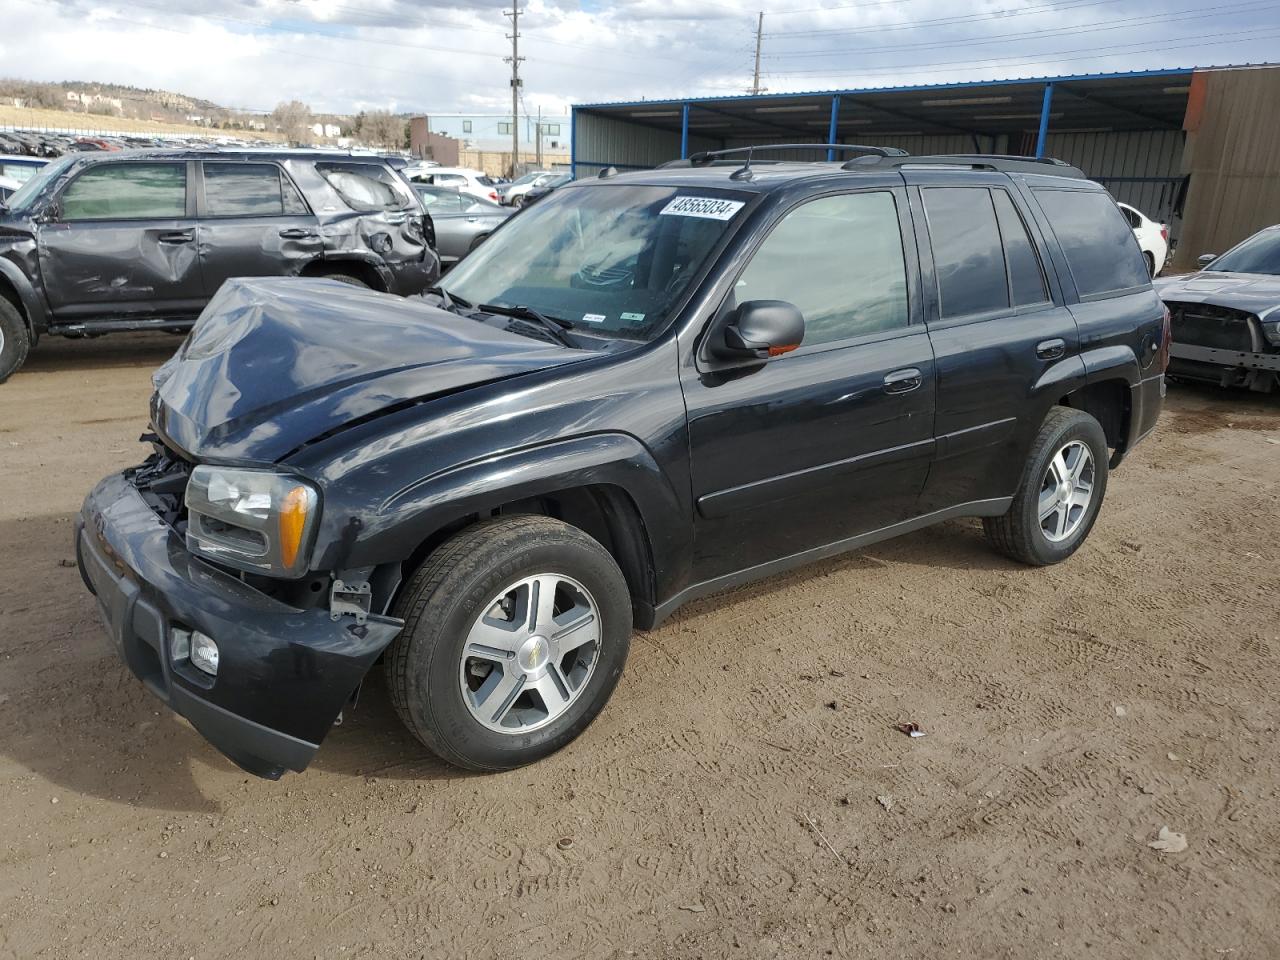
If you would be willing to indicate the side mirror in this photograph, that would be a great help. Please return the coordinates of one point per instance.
(1205, 259)
(761, 329)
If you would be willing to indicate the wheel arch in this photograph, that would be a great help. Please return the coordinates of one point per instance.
(18, 290)
(1110, 402)
(373, 275)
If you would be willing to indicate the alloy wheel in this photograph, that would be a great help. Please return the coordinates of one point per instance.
(1066, 491)
(530, 654)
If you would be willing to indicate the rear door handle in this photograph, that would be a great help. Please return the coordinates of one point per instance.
(178, 236)
(1051, 349)
(902, 381)
(296, 233)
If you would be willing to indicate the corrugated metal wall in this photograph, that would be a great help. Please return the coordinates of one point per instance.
(1233, 156)
(1141, 168)
(600, 141)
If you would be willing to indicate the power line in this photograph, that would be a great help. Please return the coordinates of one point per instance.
(948, 21)
(1101, 26)
(1050, 56)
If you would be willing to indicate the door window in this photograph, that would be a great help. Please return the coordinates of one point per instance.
(840, 260)
(1098, 243)
(249, 190)
(967, 257)
(1026, 276)
(127, 191)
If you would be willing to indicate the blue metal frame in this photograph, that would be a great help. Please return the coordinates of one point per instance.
(573, 143)
(855, 91)
(684, 132)
(1044, 120)
(835, 125)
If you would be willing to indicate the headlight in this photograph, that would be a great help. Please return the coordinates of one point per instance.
(1271, 330)
(255, 520)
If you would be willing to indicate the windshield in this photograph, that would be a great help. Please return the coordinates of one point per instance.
(611, 258)
(1259, 254)
(23, 196)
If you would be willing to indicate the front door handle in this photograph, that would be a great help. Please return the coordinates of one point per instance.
(296, 233)
(902, 381)
(1051, 349)
(178, 236)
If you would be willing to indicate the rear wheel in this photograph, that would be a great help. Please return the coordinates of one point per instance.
(1151, 262)
(518, 201)
(516, 632)
(477, 241)
(343, 278)
(1060, 494)
(15, 339)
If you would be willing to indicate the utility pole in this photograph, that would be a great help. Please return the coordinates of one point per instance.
(755, 78)
(514, 60)
(538, 137)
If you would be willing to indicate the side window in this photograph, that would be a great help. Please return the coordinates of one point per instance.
(1026, 276)
(364, 186)
(466, 126)
(1132, 217)
(1097, 241)
(840, 260)
(967, 256)
(293, 202)
(127, 191)
(247, 190)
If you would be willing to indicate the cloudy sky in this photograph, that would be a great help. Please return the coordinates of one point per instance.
(411, 55)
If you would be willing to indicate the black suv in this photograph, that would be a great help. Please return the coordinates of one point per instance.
(137, 240)
(643, 389)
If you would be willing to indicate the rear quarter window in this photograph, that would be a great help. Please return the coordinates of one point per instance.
(1096, 239)
(366, 187)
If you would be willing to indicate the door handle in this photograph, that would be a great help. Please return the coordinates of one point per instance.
(902, 381)
(178, 236)
(296, 233)
(1051, 349)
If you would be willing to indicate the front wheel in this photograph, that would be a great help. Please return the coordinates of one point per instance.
(15, 340)
(1060, 493)
(516, 632)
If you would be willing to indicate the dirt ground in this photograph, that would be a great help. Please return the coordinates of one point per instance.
(745, 794)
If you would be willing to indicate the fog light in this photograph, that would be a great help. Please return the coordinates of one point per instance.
(204, 653)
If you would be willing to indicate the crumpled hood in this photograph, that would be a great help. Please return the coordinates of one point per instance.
(1255, 293)
(273, 363)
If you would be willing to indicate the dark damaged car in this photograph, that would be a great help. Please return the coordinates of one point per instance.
(643, 389)
(141, 240)
(1226, 318)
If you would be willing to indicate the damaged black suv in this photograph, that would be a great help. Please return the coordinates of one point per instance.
(140, 240)
(643, 389)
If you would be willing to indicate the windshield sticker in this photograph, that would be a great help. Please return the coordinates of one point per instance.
(594, 318)
(708, 208)
(632, 318)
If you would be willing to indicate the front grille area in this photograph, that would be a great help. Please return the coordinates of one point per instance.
(162, 481)
(1204, 325)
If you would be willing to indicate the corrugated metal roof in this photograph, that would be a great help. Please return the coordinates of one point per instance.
(953, 85)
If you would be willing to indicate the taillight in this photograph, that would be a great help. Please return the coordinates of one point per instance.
(1164, 232)
(493, 195)
(1166, 338)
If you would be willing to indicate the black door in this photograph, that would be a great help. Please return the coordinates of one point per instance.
(253, 223)
(834, 439)
(122, 242)
(1001, 336)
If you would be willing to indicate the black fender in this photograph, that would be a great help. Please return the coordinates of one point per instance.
(32, 303)
(412, 515)
(1114, 362)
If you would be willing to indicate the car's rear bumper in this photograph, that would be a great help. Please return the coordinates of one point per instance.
(284, 673)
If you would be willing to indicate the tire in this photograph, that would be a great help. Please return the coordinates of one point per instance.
(15, 339)
(447, 697)
(1151, 262)
(343, 278)
(518, 201)
(1021, 534)
(476, 242)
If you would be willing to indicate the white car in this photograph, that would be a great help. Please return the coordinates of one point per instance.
(1153, 237)
(514, 193)
(471, 182)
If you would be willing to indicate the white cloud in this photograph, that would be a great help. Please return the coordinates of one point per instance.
(346, 55)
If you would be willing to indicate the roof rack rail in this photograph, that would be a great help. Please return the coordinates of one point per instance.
(1005, 163)
(705, 157)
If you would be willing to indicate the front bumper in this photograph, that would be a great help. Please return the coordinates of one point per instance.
(1220, 366)
(284, 673)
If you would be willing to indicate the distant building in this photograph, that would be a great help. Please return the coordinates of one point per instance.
(492, 131)
(330, 130)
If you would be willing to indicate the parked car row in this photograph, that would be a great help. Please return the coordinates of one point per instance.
(140, 240)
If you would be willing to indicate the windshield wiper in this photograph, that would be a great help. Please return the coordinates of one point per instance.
(448, 299)
(553, 325)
